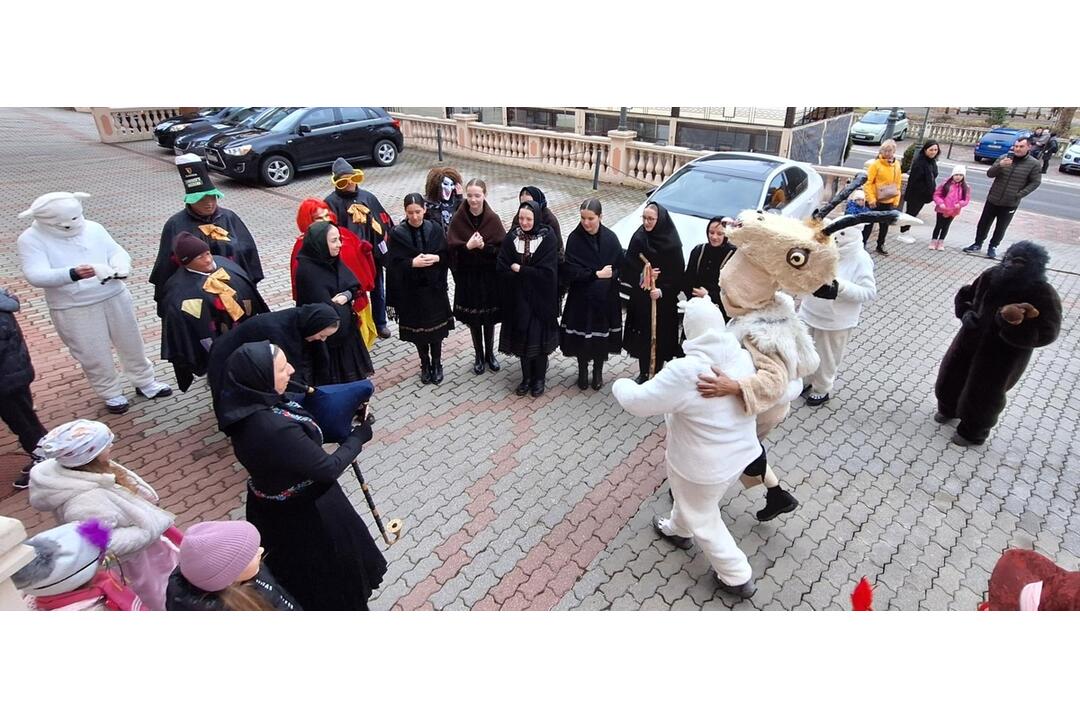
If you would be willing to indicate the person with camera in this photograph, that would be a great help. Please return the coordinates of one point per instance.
(317, 546)
(1016, 175)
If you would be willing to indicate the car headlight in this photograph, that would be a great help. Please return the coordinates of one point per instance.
(238, 150)
(178, 128)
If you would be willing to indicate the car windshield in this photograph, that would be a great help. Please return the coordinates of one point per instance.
(1000, 137)
(693, 191)
(277, 118)
(235, 113)
(877, 117)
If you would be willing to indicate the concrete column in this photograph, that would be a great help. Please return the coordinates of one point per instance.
(579, 121)
(464, 134)
(617, 161)
(14, 556)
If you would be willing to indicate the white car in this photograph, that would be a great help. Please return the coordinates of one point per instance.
(725, 184)
(1070, 159)
(871, 127)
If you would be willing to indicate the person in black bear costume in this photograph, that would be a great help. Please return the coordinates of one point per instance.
(1008, 311)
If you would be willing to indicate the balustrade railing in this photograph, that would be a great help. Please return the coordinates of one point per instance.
(127, 124)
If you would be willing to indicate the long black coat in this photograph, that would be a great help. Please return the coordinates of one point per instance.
(591, 324)
(703, 270)
(16, 372)
(316, 544)
(988, 355)
(239, 247)
(668, 257)
(922, 179)
(422, 294)
(530, 297)
(346, 358)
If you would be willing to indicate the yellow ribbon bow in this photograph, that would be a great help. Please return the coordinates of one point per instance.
(215, 233)
(217, 285)
(358, 213)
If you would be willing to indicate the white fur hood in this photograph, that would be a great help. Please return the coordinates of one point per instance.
(777, 331)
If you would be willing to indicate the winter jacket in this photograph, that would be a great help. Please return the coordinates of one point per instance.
(47, 261)
(16, 372)
(882, 173)
(182, 595)
(74, 495)
(856, 285)
(1014, 183)
(709, 440)
(949, 204)
(921, 179)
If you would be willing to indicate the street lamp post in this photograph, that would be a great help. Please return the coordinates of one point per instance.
(622, 119)
(890, 126)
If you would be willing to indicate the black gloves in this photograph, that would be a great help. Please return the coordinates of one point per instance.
(362, 431)
(828, 292)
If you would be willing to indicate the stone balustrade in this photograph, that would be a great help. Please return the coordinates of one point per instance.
(948, 133)
(116, 125)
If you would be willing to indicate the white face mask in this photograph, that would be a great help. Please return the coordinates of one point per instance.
(61, 215)
(447, 187)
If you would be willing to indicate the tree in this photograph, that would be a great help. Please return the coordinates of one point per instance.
(1063, 126)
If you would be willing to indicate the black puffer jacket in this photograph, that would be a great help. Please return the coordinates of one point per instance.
(182, 595)
(1012, 184)
(16, 372)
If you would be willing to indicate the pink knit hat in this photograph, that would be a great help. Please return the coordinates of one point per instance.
(214, 554)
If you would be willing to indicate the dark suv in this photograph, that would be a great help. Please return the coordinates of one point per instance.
(290, 139)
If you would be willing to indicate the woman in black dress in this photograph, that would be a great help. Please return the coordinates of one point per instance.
(316, 544)
(591, 326)
(703, 268)
(475, 237)
(321, 277)
(531, 193)
(417, 262)
(653, 260)
(528, 271)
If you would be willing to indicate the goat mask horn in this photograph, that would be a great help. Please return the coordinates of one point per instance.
(874, 216)
(853, 184)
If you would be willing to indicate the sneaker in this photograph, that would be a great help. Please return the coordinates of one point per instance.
(933, 245)
(815, 399)
(906, 238)
(940, 245)
(117, 405)
(154, 390)
(777, 502)
(991, 253)
(384, 333)
(683, 543)
(743, 592)
(973, 248)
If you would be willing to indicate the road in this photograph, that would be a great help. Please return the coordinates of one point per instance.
(1057, 196)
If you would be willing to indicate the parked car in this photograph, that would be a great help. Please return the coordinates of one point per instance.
(291, 139)
(997, 142)
(1070, 160)
(165, 131)
(870, 128)
(727, 183)
(196, 136)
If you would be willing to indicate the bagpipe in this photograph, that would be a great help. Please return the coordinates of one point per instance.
(334, 407)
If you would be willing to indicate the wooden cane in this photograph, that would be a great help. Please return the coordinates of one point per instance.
(650, 285)
(394, 527)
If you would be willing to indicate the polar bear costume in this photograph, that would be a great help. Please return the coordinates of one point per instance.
(94, 314)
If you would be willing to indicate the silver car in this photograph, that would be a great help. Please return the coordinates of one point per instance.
(871, 127)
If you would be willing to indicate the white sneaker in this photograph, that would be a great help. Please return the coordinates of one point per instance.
(117, 405)
(154, 390)
(906, 238)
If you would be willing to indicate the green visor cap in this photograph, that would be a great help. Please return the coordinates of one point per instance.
(195, 197)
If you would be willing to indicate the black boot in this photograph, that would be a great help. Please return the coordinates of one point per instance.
(523, 387)
(643, 371)
(489, 343)
(536, 387)
(478, 350)
(777, 502)
(597, 373)
(425, 364)
(436, 363)
(583, 373)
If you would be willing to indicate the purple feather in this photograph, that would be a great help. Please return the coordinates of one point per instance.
(95, 533)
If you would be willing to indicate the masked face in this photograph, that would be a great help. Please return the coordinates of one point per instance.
(62, 217)
(447, 188)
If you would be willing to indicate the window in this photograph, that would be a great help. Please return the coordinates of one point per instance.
(700, 136)
(777, 196)
(796, 181)
(537, 119)
(319, 118)
(647, 129)
(354, 114)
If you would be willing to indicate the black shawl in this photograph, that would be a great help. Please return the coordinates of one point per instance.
(319, 277)
(462, 228)
(534, 289)
(546, 217)
(663, 249)
(249, 372)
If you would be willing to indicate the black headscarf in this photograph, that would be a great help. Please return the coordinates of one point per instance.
(663, 237)
(538, 218)
(249, 386)
(315, 245)
(537, 195)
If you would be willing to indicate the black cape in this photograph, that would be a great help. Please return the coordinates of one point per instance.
(663, 249)
(592, 317)
(240, 247)
(284, 328)
(193, 319)
(988, 356)
(476, 288)
(315, 543)
(374, 225)
(703, 270)
(318, 279)
(423, 305)
(530, 297)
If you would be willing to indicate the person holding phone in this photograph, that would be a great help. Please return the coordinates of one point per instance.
(1016, 175)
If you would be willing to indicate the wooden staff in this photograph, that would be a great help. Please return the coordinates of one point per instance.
(395, 526)
(648, 283)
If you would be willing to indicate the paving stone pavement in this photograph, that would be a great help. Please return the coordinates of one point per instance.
(520, 503)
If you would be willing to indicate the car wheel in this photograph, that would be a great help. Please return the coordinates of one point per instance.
(276, 171)
(385, 153)
(903, 134)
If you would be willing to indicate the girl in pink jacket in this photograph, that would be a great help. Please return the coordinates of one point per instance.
(950, 197)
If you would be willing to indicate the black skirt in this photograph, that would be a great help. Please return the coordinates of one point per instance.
(346, 358)
(476, 295)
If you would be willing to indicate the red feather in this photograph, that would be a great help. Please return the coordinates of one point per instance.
(863, 597)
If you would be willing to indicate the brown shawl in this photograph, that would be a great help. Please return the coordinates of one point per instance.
(461, 229)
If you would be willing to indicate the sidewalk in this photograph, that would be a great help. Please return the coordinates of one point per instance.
(545, 503)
